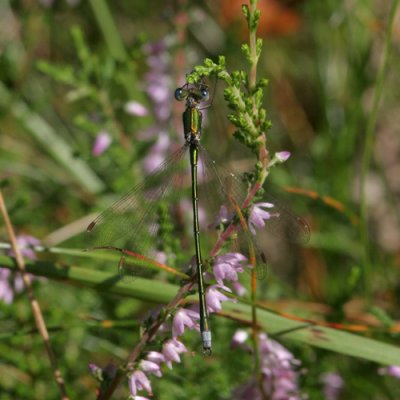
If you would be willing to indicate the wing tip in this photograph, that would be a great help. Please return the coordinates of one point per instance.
(91, 226)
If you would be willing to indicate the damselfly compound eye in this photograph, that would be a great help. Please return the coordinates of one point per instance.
(180, 94)
(205, 94)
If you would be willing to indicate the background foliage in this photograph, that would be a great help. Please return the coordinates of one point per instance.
(67, 70)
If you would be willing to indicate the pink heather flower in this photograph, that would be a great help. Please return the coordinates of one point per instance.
(26, 243)
(157, 153)
(214, 298)
(282, 155)
(184, 317)
(333, 385)
(158, 88)
(239, 339)
(223, 216)
(96, 371)
(258, 216)
(277, 365)
(279, 377)
(155, 47)
(284, 386)
(227, 267)
(150, 367)
(279, 355)
(102, 142)
(160, 256)
(155, 357)
(239, 288)
(93, 368)
(171, 350)
(140, 398)
(279, 158)
(101, 374)
(152, 161)
(158, 82)
(391, 370)
(248, 390)
(139, 381)
(6, 289)
(135, 108)
(11, 283)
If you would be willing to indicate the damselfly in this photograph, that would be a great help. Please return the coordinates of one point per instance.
(134, 223)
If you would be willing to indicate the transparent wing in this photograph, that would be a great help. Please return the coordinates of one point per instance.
(133, 222)
(231, 192)
(285, 223)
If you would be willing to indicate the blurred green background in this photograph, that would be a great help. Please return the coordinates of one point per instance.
(68, 70)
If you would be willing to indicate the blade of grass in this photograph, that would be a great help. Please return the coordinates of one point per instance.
(160, 292)
(35, 125)
(322, 337)
(107, 25)
(116, 47)
(368, 147)
(148, 290)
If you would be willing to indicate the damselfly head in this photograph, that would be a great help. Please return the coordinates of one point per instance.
(197, 92)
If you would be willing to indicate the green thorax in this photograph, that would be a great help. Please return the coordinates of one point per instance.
(192, 123)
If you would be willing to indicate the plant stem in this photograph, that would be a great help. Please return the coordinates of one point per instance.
(368, 147)
(261, 151)
(37, 313)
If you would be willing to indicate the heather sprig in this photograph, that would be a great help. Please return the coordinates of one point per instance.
(244, 96)
(244, 100)
(279, 370)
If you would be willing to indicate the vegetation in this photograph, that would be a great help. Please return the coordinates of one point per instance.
(87, 110)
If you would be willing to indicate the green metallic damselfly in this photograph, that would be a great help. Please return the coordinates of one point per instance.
(132, 226)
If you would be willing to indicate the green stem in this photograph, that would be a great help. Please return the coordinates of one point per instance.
(106, 23)
(251, 85)
(368, 147)
(253, 51)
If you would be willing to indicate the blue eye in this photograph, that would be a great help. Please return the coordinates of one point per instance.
(205, 94)
(180, 94)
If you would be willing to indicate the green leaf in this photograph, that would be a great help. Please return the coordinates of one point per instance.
(246, 51)
(255, 20)
(382, 316)
(259, 44)
(330, 339)
(246, 12)
(80, 44)
(60, 73)
(221, 62)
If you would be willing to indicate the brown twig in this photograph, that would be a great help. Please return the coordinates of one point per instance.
(39, 320)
